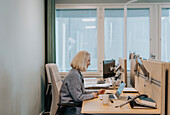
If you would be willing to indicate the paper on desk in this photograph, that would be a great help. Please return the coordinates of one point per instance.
(97, 85)
(130, 89)
(90, 79)
(88, 83)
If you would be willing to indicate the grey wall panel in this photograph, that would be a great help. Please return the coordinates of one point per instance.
(21, 57)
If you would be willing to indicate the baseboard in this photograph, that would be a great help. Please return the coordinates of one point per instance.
(42, 112)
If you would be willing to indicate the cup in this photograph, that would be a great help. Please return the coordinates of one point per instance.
(105, 99)
(114, 84)
(118, 82)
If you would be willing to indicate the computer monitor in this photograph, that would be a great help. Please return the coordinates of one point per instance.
(108, 70)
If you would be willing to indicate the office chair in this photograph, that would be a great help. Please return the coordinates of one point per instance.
(54, 79)
(48, 89)
(56, 83)
(47, 66)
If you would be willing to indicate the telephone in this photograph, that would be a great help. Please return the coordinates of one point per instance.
(130, 100)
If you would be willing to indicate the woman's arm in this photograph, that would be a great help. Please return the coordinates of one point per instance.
(89, 92)
(101, 91)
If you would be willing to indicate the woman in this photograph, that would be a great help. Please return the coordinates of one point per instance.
(72, 90)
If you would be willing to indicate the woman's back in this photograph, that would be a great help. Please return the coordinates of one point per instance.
(72, 90)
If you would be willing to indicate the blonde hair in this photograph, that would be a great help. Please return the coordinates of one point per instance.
(80, 60)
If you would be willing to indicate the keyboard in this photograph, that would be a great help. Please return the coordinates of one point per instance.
(100, 82)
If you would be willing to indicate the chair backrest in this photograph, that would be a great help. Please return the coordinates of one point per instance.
(47, 67)
(56, 83)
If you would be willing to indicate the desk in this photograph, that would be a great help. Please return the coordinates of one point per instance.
(95, 106)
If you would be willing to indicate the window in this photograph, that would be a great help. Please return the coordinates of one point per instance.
(76, 30)
(138, 32)
(114, 33)
(165, 34)
(100, 31)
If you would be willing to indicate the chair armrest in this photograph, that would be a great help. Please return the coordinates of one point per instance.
(62, 106)
(70, 104)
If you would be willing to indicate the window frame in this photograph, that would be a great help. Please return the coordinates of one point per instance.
(98, 73)
(160, 6)
(151, 17)
(100, 30)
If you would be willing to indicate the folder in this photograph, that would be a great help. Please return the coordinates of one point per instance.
(143, 103)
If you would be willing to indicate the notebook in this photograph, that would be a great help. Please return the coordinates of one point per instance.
(118, 92)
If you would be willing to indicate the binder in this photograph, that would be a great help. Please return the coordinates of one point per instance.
(136, 104)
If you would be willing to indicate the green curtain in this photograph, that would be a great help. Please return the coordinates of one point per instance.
(50, 32)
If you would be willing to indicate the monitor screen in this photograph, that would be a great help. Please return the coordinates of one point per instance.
(108, 70)
(121, 87)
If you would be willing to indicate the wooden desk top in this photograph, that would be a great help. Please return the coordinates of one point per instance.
(96, 106)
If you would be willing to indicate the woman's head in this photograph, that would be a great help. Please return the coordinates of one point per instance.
(81, 61)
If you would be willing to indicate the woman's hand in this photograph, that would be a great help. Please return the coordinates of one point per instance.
(95, 95)
(102, 91)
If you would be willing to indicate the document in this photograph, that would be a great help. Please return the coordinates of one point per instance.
(130, 90)
(96, 85)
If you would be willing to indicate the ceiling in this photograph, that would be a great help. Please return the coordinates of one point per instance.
(107, 1)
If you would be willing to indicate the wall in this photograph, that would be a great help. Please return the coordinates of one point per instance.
(21, 57)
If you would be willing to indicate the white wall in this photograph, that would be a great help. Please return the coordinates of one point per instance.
(21, 57)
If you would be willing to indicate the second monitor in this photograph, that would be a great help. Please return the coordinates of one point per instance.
(108, 68)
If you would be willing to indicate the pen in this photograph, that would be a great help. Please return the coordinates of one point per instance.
(111, 101)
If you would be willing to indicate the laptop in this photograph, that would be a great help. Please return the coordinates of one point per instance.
(118, 92)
